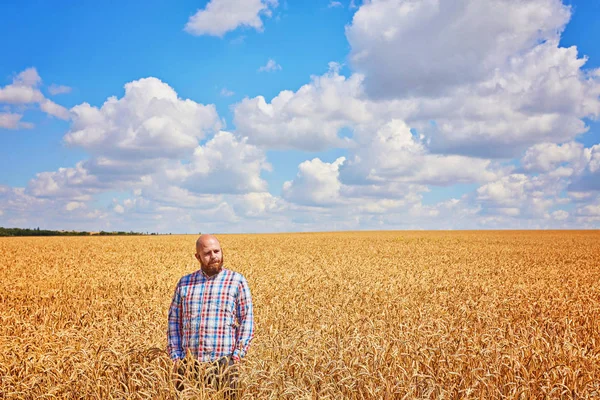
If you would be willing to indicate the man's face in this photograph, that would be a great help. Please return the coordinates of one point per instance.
(209, 253)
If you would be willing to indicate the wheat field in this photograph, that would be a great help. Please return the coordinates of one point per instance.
(363, 315)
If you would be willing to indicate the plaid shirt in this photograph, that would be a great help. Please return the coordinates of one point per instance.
(210, 317)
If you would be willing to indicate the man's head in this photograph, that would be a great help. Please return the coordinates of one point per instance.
(209, 253)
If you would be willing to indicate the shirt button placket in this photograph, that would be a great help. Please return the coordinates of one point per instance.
(209, 348)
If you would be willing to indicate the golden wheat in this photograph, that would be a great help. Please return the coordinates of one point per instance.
(385, 315)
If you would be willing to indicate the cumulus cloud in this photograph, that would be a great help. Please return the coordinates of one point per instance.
(560, 215)
(258, 204)
(51, 108)
(542, 96)
(589, 179)
(24, 91)
(270, 66)
(316, 183)
(166, 194)
(148, 143)
(547, 157)
(550, 177)
(594, 157)
(23, 209)
(16, 200)
(521, 195)
(224, 165)
(149, 121)
(507, 191)
(393, 153)
(69, 183)
(309, 119)
(426, 47)
(591, 210)
(470, 82)
(74, 205)
(13, 121)
(222, 16)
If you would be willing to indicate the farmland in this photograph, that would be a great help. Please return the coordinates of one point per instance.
(363, 315)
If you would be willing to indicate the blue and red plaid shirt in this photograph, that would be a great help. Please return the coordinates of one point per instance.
(210, 317)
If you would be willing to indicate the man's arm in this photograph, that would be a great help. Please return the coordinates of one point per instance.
(245, 315)
(174, 330)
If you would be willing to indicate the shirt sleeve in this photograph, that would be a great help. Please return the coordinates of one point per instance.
(174, 331)
(245, 315)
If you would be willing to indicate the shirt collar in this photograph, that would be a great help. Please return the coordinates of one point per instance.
(211, 277)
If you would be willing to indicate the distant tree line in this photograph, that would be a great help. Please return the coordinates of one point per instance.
(45, 232)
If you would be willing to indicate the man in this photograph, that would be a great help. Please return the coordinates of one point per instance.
(211, 317)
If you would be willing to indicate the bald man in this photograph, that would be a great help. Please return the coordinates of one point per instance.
(211, 317)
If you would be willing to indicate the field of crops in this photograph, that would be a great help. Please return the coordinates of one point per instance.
(384, 315)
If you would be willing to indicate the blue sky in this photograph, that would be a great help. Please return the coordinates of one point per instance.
(317, 115)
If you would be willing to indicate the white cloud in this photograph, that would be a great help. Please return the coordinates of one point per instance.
(28, 77)
(25, 210)
(222, 16)
(14, 201)
(169, 195)
(24, 91)
(270, 66)
(589, 211)
(315, 184)
(589, 179)
(69, 183)
(381, 206)
(507, 191)
(13, 121)
(521, 195)
(547, 157)
(392, 153)
(58, 89)
(74, 205)
(577, 196)
(15, 94)
(560, 215)
(470, 82)
(223, 165)
(51, 108)
(549, 171)
(594, 155)
(426, 47)
(334, 4)
(309, 119)
(150, 121)
(258, 204)
(166, 170)
(496, 118)
(539, 97)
